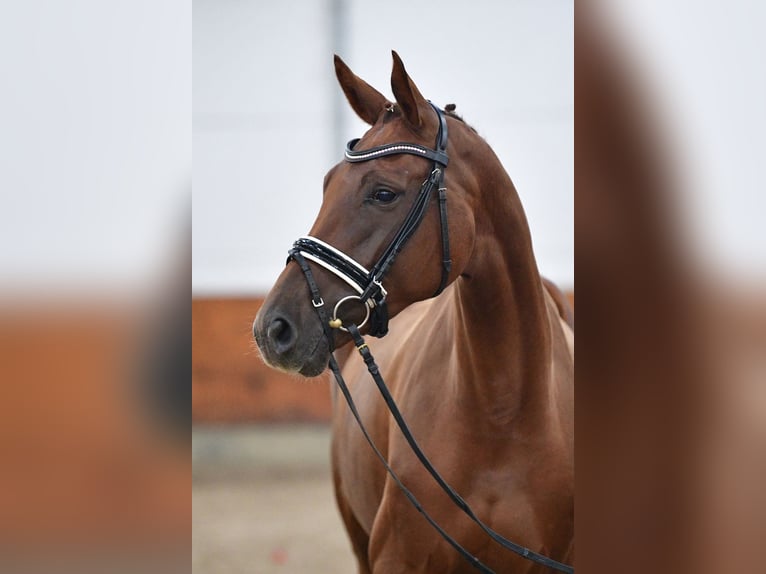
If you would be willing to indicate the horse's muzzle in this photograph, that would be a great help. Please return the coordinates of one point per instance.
(278, 340)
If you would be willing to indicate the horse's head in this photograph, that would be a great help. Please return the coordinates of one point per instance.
(365, 202)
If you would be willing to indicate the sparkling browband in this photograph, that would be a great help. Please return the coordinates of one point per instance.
(393, 149)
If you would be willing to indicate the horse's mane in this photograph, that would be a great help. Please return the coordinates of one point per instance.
(449, 109)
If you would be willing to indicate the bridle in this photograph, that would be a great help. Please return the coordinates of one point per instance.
(369, 283)
(370, 292)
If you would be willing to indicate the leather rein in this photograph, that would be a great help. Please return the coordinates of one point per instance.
(370, 292)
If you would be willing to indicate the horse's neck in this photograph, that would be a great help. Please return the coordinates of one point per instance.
(502, 319)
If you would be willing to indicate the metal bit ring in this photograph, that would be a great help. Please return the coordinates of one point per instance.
(336, 323)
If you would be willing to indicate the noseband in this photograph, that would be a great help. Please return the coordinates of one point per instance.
(368, 284)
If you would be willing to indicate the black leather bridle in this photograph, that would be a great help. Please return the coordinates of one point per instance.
(369, 286)
(369, 283)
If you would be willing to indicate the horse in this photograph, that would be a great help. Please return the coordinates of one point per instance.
(480, 356)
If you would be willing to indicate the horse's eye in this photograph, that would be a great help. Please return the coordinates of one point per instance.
(383, 196)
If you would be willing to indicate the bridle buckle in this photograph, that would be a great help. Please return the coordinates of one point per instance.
(378, 283)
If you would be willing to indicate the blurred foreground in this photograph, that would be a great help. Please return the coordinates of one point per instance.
(671, 307)
(95, 177)
(94, 438)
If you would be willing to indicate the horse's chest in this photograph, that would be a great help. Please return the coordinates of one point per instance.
(491, 473)
(360, 475)
(437, 427)
(399, 535)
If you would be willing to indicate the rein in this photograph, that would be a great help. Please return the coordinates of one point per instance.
(368, 285)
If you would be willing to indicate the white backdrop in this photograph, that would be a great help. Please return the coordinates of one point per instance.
(95, 144)
(265, 88)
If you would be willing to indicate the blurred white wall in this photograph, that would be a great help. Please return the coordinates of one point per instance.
(265, 130)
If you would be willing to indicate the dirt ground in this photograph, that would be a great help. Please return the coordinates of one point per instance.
(263, 503)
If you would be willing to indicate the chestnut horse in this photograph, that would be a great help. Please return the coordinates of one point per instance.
(482, 373)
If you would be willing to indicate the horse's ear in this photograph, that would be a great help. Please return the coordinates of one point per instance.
(366, 101)
(406, 92)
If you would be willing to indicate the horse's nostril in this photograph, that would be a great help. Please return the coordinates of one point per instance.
(282, 334)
